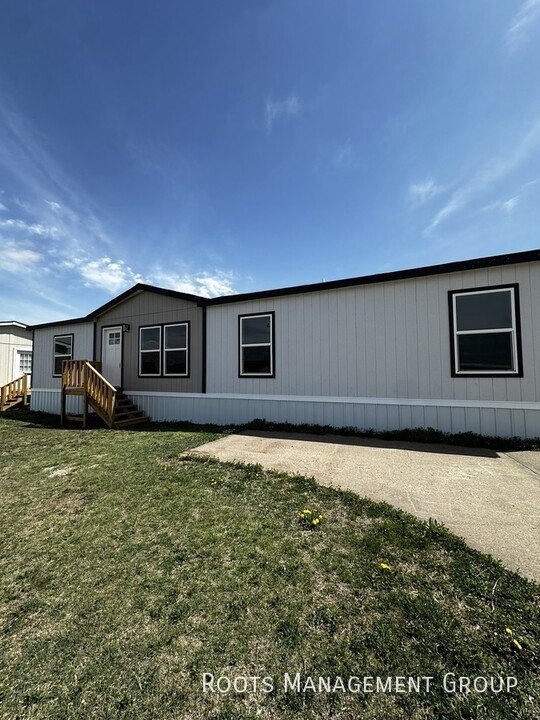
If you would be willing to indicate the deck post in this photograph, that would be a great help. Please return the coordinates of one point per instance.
(2, 397)
(85, 397)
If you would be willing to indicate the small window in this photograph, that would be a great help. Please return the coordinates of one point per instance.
(63, 350)
(175, 350)
(114, 337)
(257, 345)
(150, 351)
(25, 361)
(485, 332)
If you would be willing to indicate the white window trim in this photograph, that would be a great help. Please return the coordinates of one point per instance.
(57, 355)
(510, 330)
(266, 344)
(158, 350)
(176, 349)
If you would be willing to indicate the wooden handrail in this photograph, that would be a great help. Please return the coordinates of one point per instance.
(13, 389)
(97, 390)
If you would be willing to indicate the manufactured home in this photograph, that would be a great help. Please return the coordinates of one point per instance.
(454, 347)
(15, 350)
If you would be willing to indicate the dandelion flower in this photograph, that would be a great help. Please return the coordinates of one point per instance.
(384, 566)
(509, 631)
(518, 645)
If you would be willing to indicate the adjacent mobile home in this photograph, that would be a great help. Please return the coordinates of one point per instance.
(453, 346)
(15, 350)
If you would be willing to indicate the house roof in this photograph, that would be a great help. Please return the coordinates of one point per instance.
(460, 266)
(135, 290)
(16, 323)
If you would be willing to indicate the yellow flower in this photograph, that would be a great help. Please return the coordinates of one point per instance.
(509, 631)
(518, 645)
(384, 566)
(316, 521)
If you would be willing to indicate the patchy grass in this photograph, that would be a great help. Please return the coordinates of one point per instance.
(128, 570)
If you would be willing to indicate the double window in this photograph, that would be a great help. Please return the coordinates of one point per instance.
(485, 332)
(164, 350)
(256, 339)
(63, 350)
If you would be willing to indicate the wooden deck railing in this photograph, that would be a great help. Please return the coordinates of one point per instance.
(15, 388)
(82, 377)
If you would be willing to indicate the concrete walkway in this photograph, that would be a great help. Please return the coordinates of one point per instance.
(490, 499)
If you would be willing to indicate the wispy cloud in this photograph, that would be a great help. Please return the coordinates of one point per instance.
(39, 229)
(423, 192)
(284, 107)
(343, 153)
(3, 208)
(54, 206)
(16, 257)
(486, 177)
(521, 25)
(206, 284)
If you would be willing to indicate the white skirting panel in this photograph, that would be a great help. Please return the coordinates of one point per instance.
(488, 418)
(505, 419)
(49, 401)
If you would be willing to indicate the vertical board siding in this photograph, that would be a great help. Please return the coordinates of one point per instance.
(149, 308)
(83, 349)
(381, 340)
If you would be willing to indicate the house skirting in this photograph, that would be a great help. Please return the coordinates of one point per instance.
(505, 419)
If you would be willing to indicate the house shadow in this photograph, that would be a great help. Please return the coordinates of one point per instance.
(436, 448)
(435, 445)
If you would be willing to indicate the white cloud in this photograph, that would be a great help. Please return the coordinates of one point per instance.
(103, 273)
(276, 109)
(55, 207)
(3, 208)
(422, 192)
(29, 228)
(509, 205)
(519, 30)
(205, 284)
(487, 176)
(15, 257)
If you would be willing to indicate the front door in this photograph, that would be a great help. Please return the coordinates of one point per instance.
(111, 355)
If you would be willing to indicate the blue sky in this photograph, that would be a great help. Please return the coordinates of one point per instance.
(219, 147)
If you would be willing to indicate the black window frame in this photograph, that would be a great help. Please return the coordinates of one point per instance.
(162, 327)
(159, 350)
(66, 357)
(272, 374)
(515, 331)
(164, 364)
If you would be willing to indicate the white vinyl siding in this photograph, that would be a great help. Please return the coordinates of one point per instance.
(379, 340)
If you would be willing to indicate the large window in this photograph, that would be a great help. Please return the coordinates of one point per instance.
(175, 350)
(150, 351)
(485, 332)
(63, 350)
(256, 337)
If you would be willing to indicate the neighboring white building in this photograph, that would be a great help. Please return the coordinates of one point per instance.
(15, 350)
(454, 347)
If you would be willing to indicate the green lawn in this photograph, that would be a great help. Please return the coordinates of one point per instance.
(128, 571)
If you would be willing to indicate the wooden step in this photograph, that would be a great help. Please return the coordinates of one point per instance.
(131, 421)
